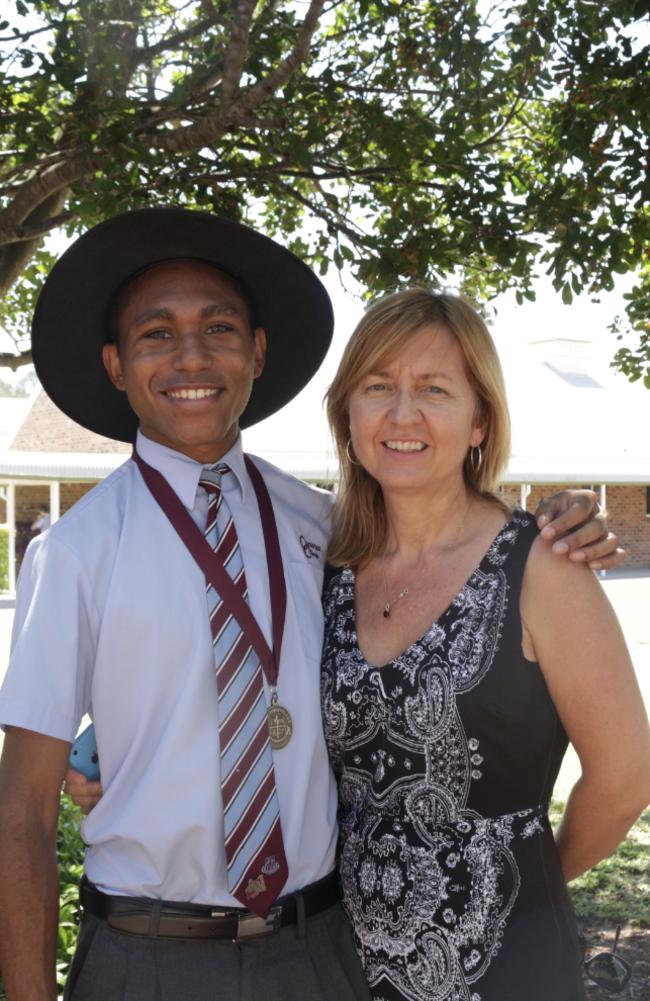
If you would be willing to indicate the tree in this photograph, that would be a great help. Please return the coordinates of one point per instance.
(21, 388)
(410, 140)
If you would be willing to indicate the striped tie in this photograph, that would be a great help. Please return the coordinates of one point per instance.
(257, 867)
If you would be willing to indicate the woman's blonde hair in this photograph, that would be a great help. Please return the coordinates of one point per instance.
(359, 519)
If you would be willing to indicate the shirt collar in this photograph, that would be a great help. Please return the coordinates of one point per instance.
(183, 473)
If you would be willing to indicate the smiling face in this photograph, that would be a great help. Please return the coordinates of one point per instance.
(187, 356)
(413, 421)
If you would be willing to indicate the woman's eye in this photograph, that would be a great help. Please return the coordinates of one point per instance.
(434, 390)
(377, 387)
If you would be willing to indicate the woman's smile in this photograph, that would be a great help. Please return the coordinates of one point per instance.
(405, 446)
(413, 421)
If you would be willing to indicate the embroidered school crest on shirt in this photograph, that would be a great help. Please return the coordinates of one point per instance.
(310, 549)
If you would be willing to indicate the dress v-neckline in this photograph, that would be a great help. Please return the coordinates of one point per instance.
(437, 621)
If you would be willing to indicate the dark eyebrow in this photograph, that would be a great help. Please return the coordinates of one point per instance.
(151, 314)
(219, 309)
(214, 309)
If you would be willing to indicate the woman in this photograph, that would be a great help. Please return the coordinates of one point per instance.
(457, 726)
(460, 655)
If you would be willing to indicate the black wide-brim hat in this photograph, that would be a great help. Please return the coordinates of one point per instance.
(70, 323)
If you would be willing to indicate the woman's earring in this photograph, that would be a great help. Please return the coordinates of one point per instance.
(475, 457)
(353, 462)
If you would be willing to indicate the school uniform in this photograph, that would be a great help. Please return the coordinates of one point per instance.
(111, 620)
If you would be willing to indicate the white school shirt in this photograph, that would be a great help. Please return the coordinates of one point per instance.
(111, 619)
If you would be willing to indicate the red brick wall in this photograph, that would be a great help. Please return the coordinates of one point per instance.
(34, 498)
(31, 499)
(72, 492)
(626, 506)
(627, 511)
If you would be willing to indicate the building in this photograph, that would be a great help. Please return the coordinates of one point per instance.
(49, 464)
(578, 423)
(575, 423)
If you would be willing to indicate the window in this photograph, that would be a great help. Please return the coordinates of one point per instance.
(574, 378)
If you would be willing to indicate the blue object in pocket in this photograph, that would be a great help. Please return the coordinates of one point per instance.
(83, 754)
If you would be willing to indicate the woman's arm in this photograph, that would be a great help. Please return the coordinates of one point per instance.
(570, 628)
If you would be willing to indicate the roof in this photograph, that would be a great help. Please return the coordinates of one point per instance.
(69, 467)
(574, 421)
(46, 429)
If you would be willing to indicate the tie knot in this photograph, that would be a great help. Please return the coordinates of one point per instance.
(210, 478)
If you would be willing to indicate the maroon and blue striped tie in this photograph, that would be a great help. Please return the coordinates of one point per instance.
(255, 859)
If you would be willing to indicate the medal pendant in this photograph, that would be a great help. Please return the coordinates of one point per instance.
(280, 724)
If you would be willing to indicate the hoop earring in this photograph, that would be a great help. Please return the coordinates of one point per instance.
(475, 461)
(353, 462)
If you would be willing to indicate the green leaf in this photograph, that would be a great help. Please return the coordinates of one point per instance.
(415, 139)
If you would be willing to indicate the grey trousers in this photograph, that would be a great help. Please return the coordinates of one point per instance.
(313, 960)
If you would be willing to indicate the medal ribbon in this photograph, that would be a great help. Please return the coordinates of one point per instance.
(216, 573)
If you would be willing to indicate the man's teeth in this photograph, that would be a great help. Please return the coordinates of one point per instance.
(191, 394)
(406, 446)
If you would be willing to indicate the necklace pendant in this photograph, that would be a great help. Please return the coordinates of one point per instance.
(279, 723)
(388, 606)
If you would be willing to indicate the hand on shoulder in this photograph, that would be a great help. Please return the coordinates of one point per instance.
(573, 524)
(560, 599)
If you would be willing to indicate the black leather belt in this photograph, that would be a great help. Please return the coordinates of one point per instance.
(167, 919)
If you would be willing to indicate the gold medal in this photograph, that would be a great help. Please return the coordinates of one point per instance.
(279, 723)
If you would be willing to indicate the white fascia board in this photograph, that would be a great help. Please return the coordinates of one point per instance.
(527, 469)
(66, 466)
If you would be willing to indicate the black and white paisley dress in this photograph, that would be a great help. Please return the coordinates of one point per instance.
(446, 759)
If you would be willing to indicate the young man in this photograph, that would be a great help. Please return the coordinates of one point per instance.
(211, 854)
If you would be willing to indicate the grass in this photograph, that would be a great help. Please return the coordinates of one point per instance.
(71, 853)
(71, 857)
(616, 891)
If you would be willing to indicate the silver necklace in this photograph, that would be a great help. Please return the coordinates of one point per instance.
(389, 604)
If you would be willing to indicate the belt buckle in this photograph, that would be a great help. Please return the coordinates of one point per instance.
(252, 925)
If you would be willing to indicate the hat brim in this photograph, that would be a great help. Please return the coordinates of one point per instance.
(70, 321)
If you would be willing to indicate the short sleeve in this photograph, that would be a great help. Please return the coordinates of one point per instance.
(48, 682)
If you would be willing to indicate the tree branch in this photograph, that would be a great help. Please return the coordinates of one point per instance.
(25, 35)
(237, 49)
(145, 54)
(14, 362)
(325, 173)
(37, 190)
(333, 220)
(511, 114)
(37, 230)
(204, 133)
(190, 137)
(15, 257)
(29, 166)
(283, 73)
